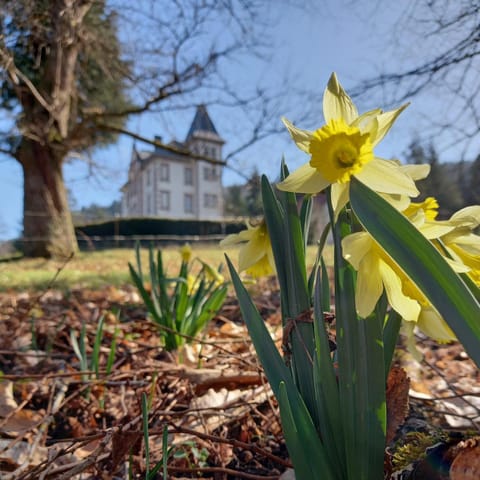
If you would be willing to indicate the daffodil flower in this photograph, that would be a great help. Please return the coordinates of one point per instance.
(212, 274)
(343, 148)
(186, 253)
(377, 272)
(461, 243)
(255, 256)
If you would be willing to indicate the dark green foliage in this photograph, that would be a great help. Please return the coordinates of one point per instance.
(130, 227)
(235, 205)
(245, 200)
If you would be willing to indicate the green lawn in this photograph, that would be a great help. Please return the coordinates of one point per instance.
(99, 268)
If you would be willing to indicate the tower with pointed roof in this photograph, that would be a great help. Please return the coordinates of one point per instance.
(180, 180)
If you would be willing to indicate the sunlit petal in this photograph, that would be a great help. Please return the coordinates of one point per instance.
(432, 324)
(304, 180)
(337, 104)
(471, 214)
(399, 202)
(433, 230)
(409, 309)
(300, 137)
(365, 122)
(340, 197)
(416, 172)
(383, 123)
(369, 285)
(250, 253)
(384, 176)
(355, 246)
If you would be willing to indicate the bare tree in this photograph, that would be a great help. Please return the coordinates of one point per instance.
(73, 71)
(434, 49)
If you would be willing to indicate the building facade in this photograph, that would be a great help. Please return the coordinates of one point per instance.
(170, 183)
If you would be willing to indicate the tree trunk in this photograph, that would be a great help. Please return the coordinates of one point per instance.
(47, 223)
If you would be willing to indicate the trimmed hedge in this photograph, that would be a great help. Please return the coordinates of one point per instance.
(134, 227)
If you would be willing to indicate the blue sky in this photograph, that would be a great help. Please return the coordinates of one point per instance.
(346, 37)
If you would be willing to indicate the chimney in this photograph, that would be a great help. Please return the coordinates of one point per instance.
(158, 138)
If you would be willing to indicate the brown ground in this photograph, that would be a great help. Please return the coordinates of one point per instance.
(212, 397)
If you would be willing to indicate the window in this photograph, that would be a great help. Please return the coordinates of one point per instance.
(163, 200)
(149, 177)
(209, 173)
(164, 172)
(188, 174)
(210, 200)
(149, 204)
(188, 203)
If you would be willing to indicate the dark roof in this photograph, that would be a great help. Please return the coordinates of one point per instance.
(201, 123)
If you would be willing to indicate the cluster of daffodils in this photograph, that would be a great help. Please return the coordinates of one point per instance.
(193, 281)
(344, 148)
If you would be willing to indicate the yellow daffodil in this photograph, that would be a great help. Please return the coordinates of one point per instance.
(343, 147)
(255, 256)
(186, 253)
(378, 271)
(191, 284)
(461, 243)
(212, 274)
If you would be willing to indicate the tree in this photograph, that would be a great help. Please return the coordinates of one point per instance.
(234, 201)
(59, 61)
(253, 196)
(73, 71)
(436, 47)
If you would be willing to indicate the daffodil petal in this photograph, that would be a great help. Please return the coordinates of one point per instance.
(433, 325)
(337, 104)
(235, 238)
(400, 202)
(304, 180)
(383, 123)
(472, 213)
(416, 172)
(433, 230)
(301, 137)
(369, 285)
(355, 246)
(386, 177)
(458, 266)
(409, 309)
(365, 121)
(251, 253)
(340, 196)
(408, 329)
(260, 268)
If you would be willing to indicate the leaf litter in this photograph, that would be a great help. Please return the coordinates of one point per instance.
(58, 421)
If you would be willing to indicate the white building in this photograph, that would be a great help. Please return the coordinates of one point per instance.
(169, 183)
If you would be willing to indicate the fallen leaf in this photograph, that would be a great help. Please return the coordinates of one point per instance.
(397, 400)
(466, 465)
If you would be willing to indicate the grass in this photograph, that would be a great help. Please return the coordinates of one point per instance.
(99, 268)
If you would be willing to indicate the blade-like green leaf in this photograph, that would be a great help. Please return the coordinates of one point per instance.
(267, 352)
(326, 387)
(422, 263)
(361, 369)
(390, 338)
(307, 452)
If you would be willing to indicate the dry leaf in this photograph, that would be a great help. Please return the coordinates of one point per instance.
(466, 465)
(397, 400)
